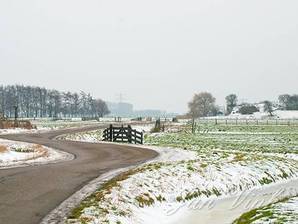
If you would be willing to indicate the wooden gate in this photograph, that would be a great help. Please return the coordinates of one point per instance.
(123, 134)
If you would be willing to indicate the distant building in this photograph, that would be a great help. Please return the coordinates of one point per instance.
(120, 109)
(126, 110)
(150, 113)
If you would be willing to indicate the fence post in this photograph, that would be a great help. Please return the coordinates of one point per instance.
(193, 125)
(129, 134)
(111, 133)
(122, 132)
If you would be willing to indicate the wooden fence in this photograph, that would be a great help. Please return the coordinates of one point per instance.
(123, 134)
(250, 121)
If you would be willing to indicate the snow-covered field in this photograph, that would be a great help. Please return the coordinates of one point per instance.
(213, 165)
(16, 154)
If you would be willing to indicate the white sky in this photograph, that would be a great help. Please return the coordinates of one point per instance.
(157, 53)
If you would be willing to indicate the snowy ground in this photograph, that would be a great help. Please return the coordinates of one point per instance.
(16, 154)
(212, 165)
(159, 189)
(59, 124)
(90, 136)
(22, 131)
(277, 114)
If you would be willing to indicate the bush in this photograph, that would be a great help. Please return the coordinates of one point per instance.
(248, 109)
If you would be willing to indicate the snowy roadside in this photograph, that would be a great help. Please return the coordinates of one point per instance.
(173, 180)
(18, 154)
(59, 215)
(159, 189)
(22, 131)
(161, 180)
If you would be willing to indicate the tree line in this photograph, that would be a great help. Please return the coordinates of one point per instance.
(31, 101)
(203, 105)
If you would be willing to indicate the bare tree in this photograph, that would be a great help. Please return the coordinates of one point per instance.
(101, 108)
(268, 107)
(201, 105)
(231, 101)
(41, 102)
(284, 101)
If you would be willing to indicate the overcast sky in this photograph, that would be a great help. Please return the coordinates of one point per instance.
(157, 53)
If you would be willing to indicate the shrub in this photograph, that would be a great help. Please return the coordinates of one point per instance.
(248, 109)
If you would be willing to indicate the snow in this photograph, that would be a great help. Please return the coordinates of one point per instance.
(20, 154)
(143, 128)
(89, 136)
(286, 114)
(280, 114)
(60, 213)
(167, 185)
(227, 209)
(177, 178)
(277, 114)
(23, 131)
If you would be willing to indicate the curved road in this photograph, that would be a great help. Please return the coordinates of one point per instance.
(28, 194)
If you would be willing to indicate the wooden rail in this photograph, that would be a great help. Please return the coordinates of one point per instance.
(248, 121)
(123, 134)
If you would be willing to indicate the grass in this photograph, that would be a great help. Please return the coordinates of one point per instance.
(241, 138)
(107, 187)
(203, 127)
(215, 145)
(264, 213)
(22, 149)
(144, 200)
(99, 195)
(252, 216)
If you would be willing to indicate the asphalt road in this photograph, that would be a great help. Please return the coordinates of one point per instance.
(28, 194)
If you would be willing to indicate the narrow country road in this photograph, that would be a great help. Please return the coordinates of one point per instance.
(28, 194)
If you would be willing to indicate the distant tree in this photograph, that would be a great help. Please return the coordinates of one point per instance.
(101, 108)
(231, 101)
(288, 102)
(284, 101)
(215, 111)
(40, 102)
(201, 105)
(293, 104)
(268, 107)
(248, 109)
